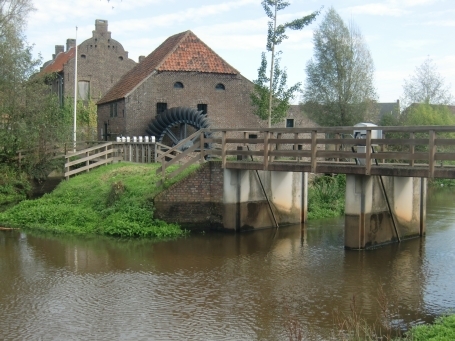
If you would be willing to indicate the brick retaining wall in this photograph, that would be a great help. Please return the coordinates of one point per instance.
(195, 202)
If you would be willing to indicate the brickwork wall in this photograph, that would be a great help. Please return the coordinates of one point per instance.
(114, 124)
(195, 201)
(105, 62)
(229, 108)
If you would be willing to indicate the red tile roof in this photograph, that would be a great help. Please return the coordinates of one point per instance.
(61, 59)
(181, 52)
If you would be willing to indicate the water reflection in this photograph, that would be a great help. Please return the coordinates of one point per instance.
(219, 286)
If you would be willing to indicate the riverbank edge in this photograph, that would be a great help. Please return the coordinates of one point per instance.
(114, 200)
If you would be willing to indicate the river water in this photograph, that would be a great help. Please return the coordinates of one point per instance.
(249, 286)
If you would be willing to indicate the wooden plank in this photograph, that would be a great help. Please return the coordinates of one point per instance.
(89, 149)
(245, 152)
(183, 167)
(244, 141)
(345, 129)
(291, 153)
(444, 156)
(177, 158)
(87, 168)
(88, 158)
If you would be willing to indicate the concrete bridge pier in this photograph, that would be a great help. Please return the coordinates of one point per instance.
(380, 212)
(262, 199)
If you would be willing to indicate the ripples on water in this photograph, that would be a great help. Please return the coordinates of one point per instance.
(219, 286)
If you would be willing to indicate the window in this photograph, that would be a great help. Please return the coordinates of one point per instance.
(220, 86)
(120, 58)
(178, 85)
(289, 123)
(160, 107)
(203, 108)
(83, 90)
(113, 110)
(252, 136)
(83, 56)
(299, 147)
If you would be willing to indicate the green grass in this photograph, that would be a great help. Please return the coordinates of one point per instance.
(443, 329)
(113, 200)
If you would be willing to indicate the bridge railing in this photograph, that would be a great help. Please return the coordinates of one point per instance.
(101, 153)
(421, 151)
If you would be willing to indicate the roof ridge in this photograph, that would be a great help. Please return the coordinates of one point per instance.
(237, 71)
(171, 51)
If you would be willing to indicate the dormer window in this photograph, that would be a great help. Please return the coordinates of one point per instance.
(220, 86)
(178, 85)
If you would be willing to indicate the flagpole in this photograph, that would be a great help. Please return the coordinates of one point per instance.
(75, 92)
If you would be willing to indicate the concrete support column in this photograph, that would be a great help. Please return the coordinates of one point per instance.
(370, 221)
(254, 199)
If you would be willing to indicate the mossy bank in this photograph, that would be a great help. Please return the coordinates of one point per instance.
(114, 200)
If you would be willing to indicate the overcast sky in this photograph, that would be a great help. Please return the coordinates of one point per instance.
(400, 34)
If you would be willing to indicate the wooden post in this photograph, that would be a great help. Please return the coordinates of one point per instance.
(223, 149)
(313, 151)
(432, 152)
(337, 145)
(296, 146)
(411, 149)
(201, 140)
(368, 153)
(266, 150)
(87, 163)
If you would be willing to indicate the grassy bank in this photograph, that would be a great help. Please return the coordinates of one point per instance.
(113, 200)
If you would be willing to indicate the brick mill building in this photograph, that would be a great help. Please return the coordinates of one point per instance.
(101, 62)
(183, 72)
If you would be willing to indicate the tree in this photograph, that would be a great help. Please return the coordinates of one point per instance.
(426, 115)
(276, 97)
(281, 94)
(30, 117)
(339, 87)
(426, 86)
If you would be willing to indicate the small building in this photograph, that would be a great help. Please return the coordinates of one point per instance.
(101, 62)
(182, 84)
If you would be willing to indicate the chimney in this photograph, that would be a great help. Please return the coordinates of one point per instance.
(141, 58)
(58, 49)
(100, 25)
(70, 43)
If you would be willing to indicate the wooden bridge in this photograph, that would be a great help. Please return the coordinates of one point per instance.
(415, 151)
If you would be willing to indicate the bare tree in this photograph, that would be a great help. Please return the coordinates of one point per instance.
(13, 14)
(426, 86)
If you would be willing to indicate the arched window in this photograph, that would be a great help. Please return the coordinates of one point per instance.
(83, 56)
(220, 86)
(178, 85)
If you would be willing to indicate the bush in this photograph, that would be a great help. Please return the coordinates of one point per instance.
(326, 196)
(443, 329)
(14, 185)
